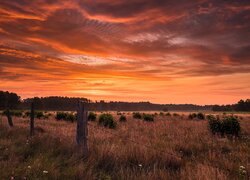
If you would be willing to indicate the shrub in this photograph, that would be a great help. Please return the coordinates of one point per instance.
(210, 116)
(107, 120)
(230, 126)
(148, 117)
(49, 114)
(14, 113)
(137, 115)
(27, 114)
(61, 116)
(214, 124)
(200, 116)
(176, 115)
(161, 114)
(65, 116)
(192, 116)
(39, 114)
(71, 117)
(168, 114)
(119, 113)
(123, 118)
(92, 116)
(18, 113)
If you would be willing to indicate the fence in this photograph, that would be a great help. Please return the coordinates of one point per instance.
(82, 135)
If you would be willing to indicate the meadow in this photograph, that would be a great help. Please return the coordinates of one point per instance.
(171, 147)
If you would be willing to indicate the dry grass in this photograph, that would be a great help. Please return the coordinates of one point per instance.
(169, 148)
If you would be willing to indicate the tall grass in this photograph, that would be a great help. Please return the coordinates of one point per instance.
(163, 150)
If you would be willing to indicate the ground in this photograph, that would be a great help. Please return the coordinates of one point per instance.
(168, 148)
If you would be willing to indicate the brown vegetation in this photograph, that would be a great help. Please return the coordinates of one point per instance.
(168, 148)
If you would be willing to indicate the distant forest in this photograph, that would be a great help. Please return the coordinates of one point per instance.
(57, 103)
(240, 106)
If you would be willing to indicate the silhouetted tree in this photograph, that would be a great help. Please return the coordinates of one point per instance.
(243, 105)
(240, 106)
(9, 100)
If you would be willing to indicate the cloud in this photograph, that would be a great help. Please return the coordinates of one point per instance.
(127, 41)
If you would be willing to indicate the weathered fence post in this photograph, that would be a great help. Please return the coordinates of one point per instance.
(10, 122)
(82, 129)
(32, 117)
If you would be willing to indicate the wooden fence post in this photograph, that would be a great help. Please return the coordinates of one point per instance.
(32, 117)
(10, 122)
(82, 129)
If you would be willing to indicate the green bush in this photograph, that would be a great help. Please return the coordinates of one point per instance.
(39, 114)
(92, 116)
(61, 116)
(148, 117)
(214, 124)
(71, 117)
(123, 118)
(230, 126)
(137, 115)
(161, 114)
(65, 116)
(200, 116)
(107, 120)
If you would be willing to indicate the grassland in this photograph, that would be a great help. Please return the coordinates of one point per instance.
(168, 148)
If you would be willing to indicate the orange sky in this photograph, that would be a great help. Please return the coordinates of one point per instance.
(161, 51)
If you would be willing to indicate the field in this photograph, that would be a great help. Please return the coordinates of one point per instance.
(171, 147)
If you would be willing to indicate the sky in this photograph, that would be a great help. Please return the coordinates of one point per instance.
(185, 51)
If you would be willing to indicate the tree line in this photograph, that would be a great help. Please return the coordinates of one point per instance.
(57, 103)
(240, 106)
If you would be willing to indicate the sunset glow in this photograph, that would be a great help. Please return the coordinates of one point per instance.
(142, 50)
